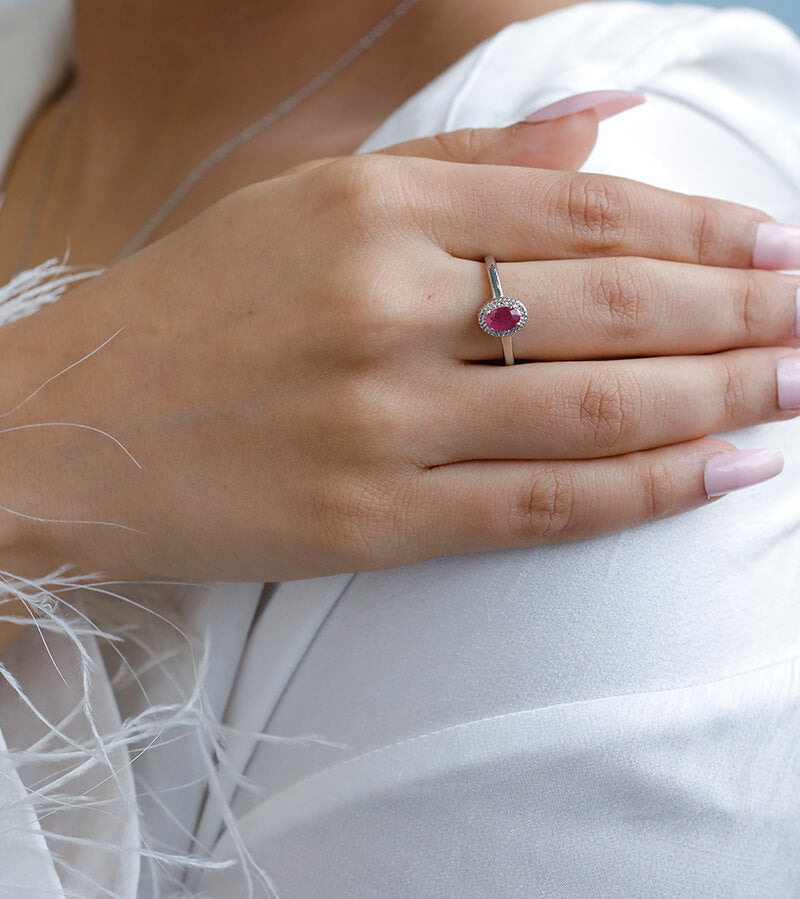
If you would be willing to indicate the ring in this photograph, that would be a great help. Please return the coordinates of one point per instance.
(502, 316)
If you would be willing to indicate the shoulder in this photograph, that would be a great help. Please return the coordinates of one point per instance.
(680, 48)
(722, 117)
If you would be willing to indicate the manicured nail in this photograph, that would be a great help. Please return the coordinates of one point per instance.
(777, 246)
(797, 314)
(789, 382)
(733, 471)
(604, 103)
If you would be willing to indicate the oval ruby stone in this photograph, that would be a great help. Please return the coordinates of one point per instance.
(502, 319)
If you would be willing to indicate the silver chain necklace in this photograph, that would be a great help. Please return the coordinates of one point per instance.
(217, 155)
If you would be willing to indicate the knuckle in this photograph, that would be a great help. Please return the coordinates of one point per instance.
(597, 212)
(749, 309)
(367, 422)
(624, 295)
(242, 204)
(547, 509)
(459, 146)
(657, 490)
(366, 315)
(609, 409)
(354, 415)
(362, 186)
(371, 319)
(701, 230)
(733, 390)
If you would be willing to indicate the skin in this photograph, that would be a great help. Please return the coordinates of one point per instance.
(240, 68)
(243, 57)
(277, 452)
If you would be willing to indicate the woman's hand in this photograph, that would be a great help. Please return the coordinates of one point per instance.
(303, 381)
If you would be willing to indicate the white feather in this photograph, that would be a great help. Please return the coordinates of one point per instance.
(79, 748)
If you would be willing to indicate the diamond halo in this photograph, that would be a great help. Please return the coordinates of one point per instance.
(516, 307)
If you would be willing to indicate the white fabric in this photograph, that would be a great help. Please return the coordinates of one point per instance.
(617, 717)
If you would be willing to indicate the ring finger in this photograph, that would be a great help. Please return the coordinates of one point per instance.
(625, 307)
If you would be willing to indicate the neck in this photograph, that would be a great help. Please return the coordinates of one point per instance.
(148, 68)
(146, 63)
(150, 73)
(168, 82)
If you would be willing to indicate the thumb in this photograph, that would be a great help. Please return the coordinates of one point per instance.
(564, 143)
(559, 136)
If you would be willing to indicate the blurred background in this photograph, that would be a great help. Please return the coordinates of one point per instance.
(788, 10)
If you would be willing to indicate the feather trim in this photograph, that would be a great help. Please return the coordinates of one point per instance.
(91, 644)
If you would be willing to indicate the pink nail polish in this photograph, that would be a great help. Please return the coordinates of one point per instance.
(797, 314)
(744, 468)
(789, 382)
(777, 246)
(604, 103)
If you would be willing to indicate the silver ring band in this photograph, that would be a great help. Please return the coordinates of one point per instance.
(502, 316)
(494, 277)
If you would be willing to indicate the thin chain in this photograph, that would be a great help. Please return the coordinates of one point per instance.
(215, 157)
(251, 131)
(57, 126)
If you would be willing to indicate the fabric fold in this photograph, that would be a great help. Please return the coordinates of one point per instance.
(609, 796)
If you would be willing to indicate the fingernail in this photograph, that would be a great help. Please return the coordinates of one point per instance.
(789, 382)
(797, 314)
(777, 246)
(733, 471)
(604, 103)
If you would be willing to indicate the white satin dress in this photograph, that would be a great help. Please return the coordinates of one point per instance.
(618, 717)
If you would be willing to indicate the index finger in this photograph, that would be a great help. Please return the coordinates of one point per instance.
(563, 143)
(531, 214)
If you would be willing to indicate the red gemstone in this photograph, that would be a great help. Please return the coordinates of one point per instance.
(503, 318)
